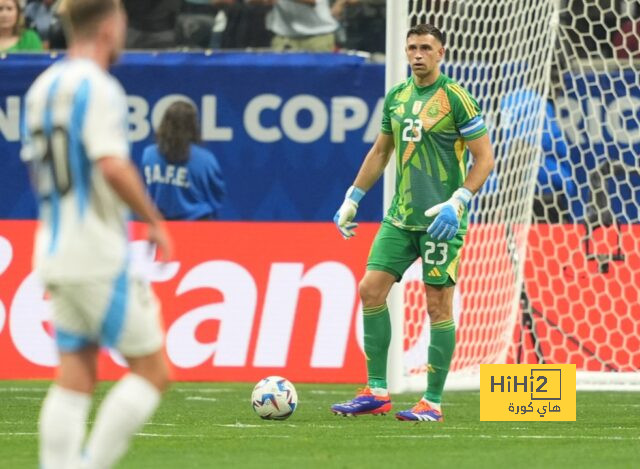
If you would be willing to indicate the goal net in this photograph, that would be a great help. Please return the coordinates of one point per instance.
(551, 263)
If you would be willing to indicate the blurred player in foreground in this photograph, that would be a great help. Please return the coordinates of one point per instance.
(433, 123)
(75, 143)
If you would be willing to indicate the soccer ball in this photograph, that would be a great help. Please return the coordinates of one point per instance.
(274, 398)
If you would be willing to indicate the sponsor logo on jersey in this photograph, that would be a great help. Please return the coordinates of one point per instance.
(417, 105)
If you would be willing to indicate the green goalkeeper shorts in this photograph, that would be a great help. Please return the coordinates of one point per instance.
(395, 249)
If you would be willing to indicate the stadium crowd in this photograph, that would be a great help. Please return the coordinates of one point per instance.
(308, 25)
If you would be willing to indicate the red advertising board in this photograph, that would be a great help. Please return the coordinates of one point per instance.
(241, 301)
(244, 300)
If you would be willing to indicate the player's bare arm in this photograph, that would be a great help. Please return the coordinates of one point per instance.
(483, 163)
(125, 181)
(375, 162)
(446, 223)
(370, 171)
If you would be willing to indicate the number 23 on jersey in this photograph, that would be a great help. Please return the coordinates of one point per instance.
(412, 130)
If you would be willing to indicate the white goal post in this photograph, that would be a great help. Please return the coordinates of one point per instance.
(551, 263)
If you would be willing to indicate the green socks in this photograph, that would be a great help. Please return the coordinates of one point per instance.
(377, 336)
(443, 342)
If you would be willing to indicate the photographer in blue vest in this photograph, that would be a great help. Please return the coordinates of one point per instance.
(183, 178)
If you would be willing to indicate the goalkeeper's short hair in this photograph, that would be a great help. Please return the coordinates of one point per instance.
(426, 28)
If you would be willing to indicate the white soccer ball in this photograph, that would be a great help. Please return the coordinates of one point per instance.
(274, 398)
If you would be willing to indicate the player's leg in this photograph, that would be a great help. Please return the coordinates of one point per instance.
(374, 289)
(63, 417)
(128, 405)
(392, 253)
(442, 343)
(374, 398)
(133, 400)
(440, 271)
(441, 346)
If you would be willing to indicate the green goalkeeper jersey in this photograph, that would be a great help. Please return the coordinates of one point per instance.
(430, 125)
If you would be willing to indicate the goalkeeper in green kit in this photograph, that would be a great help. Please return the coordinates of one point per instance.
(433, 124)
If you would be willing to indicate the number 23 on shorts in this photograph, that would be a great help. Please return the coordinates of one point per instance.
(440, 259)
(435, 253)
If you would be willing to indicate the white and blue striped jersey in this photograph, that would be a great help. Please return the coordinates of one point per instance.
(74, 114)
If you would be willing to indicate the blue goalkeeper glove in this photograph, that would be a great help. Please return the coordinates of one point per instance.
(347, 212)
(446, 224)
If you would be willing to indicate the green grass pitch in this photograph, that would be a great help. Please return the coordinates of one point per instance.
(202, 425)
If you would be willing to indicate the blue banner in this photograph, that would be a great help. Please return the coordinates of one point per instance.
(289, 130)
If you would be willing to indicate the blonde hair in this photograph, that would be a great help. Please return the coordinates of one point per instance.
(82, 16)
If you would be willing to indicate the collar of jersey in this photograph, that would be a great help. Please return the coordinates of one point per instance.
(426, 89)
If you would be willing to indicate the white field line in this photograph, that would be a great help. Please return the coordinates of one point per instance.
(153, 424)
(146, 435)
(325, 426)
(347, 394)
(518, 437)
(204, 390)
(253, 425)
(239, 425)
(150, 435)
(18, 433)
(467, 428)
(562, 437)
(39, 390)
(200, 398)
(412, 403)
(424, 437)
(529, 428)
(324, 392)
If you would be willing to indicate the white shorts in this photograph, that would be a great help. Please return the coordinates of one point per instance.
(122, 314)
